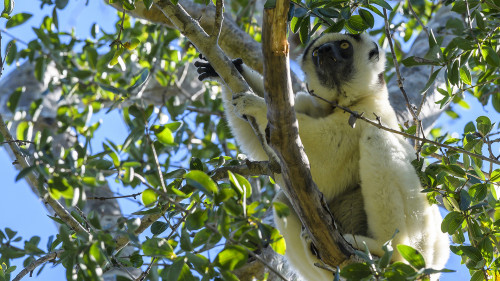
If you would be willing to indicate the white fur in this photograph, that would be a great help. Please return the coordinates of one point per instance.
(343, 157)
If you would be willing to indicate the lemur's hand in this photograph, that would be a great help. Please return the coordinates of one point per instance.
(206, 70)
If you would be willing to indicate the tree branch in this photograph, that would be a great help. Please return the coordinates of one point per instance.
(35, 264)
(284, 139)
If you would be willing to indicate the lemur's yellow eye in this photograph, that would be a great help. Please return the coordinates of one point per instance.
(315, 53)
(344, 45)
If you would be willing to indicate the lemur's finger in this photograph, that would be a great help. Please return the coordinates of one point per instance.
(238, 61)
(204, 75)
(199, 63)
(203, 69)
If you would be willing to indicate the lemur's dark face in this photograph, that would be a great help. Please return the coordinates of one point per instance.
(334, 62)
(343, 64)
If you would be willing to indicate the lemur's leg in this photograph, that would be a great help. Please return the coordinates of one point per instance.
(299, 251)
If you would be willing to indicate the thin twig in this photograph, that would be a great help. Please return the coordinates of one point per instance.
(205, 111)
(117, 40)
(145, 273)
(477, 85)
(84, 218)
(425, 28)
(396, 66)
(219, 18)
(35, 264)
(250, 168)
(416, 120)
(158, 167)
(114, 197)
(19, 142)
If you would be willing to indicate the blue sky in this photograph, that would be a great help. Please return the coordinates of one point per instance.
(22, 211)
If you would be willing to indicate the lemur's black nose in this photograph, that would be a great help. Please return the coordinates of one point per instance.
(329, 53)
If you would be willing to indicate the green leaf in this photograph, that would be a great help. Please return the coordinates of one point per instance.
(40, 67)
(465, 75)
(174, 126)
(295, 24)
(24, 172)
(100, 164)
(281, 209)
(132, 44)
(22, 127)
(356, 23)
(490, 56)
(355, 271)
(483, 125)
(472, 253)
(13, 100)
(201, 181)
(495, 176)
(242, 185)
(116, 55)
(452, 222)
(158, 227)
(92, 57)
(382, 4)
(270, 4)
(164, 135)
(149, 197)
(464, 200)
(148, 4)
(495, 101)
(136, 260)
(158, 247)
(61, 4)
(413, 256)
(196, 220)
(195, 164)
(8, 7)
(304, 29)
(337, 27)
(431, 80)
(179, 271)
(477, 276)
(95, 252)
(11, 55)
(55, 18)
(232, 257)
(367, 17)
(18, 19)
(185, 240)
(10, 233)
(139, 79)
(277, 242)
(129, 4)
(415, 61)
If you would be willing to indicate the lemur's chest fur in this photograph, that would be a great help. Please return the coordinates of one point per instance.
(333, 151)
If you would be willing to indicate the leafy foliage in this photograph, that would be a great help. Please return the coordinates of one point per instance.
(204, 227)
